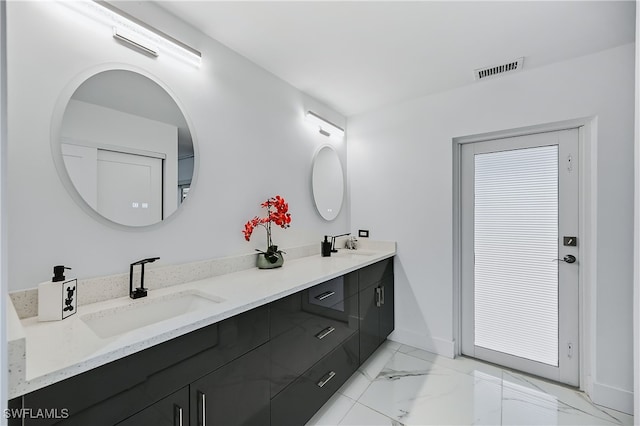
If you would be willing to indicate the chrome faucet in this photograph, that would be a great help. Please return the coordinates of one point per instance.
(140, 291)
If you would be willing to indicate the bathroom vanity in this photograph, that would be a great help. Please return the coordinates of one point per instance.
(276, 354)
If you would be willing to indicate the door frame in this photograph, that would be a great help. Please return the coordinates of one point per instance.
(587, 134)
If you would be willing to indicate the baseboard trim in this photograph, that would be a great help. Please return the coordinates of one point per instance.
(428, 343)
(612, 397)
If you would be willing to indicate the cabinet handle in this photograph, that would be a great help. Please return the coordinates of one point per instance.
(203, 409)
(378, 297)
(325, 295)
(326, 379)
(324, 333)
(177, 415)
(382, 295)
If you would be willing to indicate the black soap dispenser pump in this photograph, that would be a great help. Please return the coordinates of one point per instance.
(326, 247)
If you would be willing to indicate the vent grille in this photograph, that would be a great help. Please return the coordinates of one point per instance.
(492, 71)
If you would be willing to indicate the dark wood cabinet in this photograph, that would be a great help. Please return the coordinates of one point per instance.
(170, 411)
(276, 364)
(376, 299)
(236, 394)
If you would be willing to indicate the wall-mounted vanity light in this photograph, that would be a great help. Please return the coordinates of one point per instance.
(136, 33)
(325, 127)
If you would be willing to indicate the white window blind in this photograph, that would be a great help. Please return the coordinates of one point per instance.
(516, 240)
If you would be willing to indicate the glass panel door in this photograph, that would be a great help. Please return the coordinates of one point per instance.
(519, 211)
(516, 236)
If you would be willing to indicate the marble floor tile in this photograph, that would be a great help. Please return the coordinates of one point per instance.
(390, 344)
(401, 385)
(355, 386)
(413, 391)
(333, 411)
(462, 364)
(528, 400)
(360, 415)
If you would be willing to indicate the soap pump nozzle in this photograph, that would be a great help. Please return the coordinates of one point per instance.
(58, 273)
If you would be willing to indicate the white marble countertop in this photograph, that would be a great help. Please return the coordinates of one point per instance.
(43, 353)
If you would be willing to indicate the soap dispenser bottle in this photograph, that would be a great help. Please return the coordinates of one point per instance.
(326, 247)
(57, 299)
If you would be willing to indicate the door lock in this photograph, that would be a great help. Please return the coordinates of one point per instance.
(568, 259)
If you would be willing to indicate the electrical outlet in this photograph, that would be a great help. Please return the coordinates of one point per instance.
(363, 233)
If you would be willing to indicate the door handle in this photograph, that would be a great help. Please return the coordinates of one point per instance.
(324, 333)
(203, 409)
(325, 295)
(326, 378)
(568, 259)
(177, 415)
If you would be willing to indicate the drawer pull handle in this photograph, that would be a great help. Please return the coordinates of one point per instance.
(177, 415)
(203, 409)
(378, 297)
(325, 295)
(382, 295)
(326, 379)
(324, 333)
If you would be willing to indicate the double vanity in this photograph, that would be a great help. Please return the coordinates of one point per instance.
(250, 347)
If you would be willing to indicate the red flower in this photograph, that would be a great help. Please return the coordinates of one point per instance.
(281, 217)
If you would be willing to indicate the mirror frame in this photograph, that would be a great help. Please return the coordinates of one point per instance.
(56, 149)
(323, 212)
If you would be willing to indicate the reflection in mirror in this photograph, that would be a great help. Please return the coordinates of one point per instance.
(328, 182)
(127, 148)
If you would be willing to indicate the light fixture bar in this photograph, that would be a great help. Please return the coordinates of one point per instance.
(325, 127)
(135, 41)
(135, 32)
(148, 27)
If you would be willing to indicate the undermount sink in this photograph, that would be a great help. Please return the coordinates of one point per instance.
(115, 321)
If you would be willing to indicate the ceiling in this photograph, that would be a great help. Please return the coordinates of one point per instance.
(361, 55)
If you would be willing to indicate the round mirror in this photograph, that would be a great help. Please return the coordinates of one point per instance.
(127, 148)
(328, 182)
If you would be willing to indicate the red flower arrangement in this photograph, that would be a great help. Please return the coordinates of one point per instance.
(278, 213)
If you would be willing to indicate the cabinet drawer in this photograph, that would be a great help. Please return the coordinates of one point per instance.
(316, 331)
(300, 400)
(331, 293)
(373, 274)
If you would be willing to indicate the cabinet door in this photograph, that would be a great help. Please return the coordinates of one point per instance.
(236, 394)
(369, 322)
(386, 310)
(170, 411)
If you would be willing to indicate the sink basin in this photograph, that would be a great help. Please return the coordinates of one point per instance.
(115, 321)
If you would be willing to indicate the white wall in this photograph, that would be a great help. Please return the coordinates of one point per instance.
(401, 175)
(3, 215)
(252, 143)
(636, 298)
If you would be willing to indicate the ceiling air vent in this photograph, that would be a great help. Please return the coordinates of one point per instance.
(515, 65)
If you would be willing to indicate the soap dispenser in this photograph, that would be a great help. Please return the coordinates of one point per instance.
(326, 247)
(57, 299)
